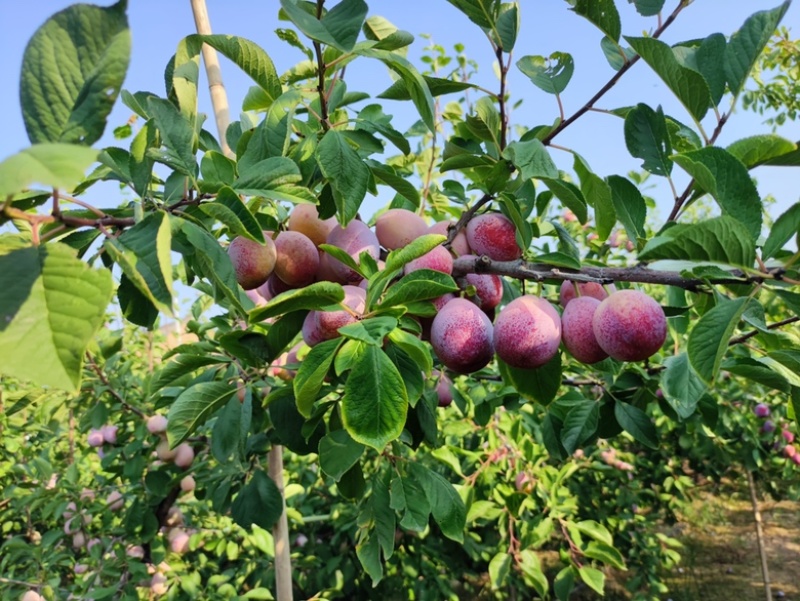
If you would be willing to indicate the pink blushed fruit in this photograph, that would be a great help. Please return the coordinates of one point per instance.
(297, 259)
(178, 540)
(629, 325)
(327, 323)
(187, 484)
(787, 436)
(397, 228)
(305, 219)
(593, 289)
(459, 247)
(461, 336)
(115, 500)
(761, 410)
(488, 287)
(109, 434)
(184, 455)
(493, 235)
(354, 239)
(527, 332)
(95, 438)
(157, 424)
(577, 332)
(789, 451)
(31, 596)
(444, 390)
(438, 259)
(164, 452)
(252, 262)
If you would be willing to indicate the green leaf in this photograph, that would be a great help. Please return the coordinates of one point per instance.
(250, 58)
(564, 583)
(688, 85)
(437, 86)
(551, 74)
(179, 366)
(721, 239)
(414, 348)
(307, 23)
(141, 165)
(311, 375)
(540, 384)
(143, 254)
(266, 175)
(605, 553)
(636, 423)
(708, 57)
(532, 571)
(420, 246)
(499, 568)
(134, 305)
(595, 530)
(53, 165)
(507, 26)
(389, 36)
(480, 12)
(386, 175)
(446, 505)
(648, 8)
(375, 402)
(177, 137)
(709, 337)
(414, 82)
(605, 215)
(372, 330)
(725, 177)
(757, 372)
(313, 296)
(532, 159)
(259, 502)
(579, 425)
(348, 175)
(629, 205)
(338, 452)
(681, 385)
(216, 169)
(758, 150)
(785, 226)
(602, 14)
(423, 284)
(647, 138)
(368, 551)
(51, 306)
(72, 72)
(193, 407)
(616, 55)
(418, 509)
(569, 195)
(344, 22)
(594, 578)
(746, 45)
(229, 209)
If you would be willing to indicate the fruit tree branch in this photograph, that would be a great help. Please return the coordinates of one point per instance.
(611, 82)
(540, 272)
(453, 230)
(772, 326)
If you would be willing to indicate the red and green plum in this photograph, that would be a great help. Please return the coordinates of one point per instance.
(252, 262)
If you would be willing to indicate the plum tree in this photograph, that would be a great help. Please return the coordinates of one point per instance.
(493, 235)
(397, 228)
(630, 325)
(252, 262)
(461, 336)
(577, 331)
(527, 332)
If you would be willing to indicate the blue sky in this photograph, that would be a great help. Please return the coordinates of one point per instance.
(547, 26)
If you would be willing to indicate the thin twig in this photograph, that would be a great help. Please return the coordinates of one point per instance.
(102, 376)
(772, 326)
(464, 219)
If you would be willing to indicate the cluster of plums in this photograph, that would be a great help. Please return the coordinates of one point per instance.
(784, 443)
(597, 321)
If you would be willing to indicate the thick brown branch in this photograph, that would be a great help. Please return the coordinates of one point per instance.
(611, 82)
(539, 272)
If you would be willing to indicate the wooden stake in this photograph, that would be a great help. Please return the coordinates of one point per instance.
(280, 531)
(762, 552)
(219, 98)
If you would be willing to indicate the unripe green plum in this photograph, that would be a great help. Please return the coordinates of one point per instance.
(593, 289)
(297, 259)
(397, 228)
(527, 332)
(577, 332)
(252, 262)
(459, 247)
(629, 325)
(461, 336)
(353, 239)
(437, 259)
(493, 235)
(305, 219)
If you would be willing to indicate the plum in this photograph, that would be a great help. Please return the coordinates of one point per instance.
(324, 325)
(305, 219)
(593, 289)
(577, 332)
(353, 239)
(396, 228)
(488, 287)
(461, 336)
(762, 410)
(629, 325)
(297, 259)
(459, 247)
(252, 262)
(527, 332)
(437, 259)
(493, 235)
(444, 390)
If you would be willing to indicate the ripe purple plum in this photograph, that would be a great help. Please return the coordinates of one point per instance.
(95, 438)
(629, 325)
(461, 336)
(305, 219)
(277, 368)
(488, 287)
(761, 410)
(493, 235)
(444, 390)
(459, 247)
(437, 259)
(252, 262)
(397, 228)
(787, 436)
(297, 259)
(353, 239)
(438, 303)
(527, 332)
(324, 325)
(577, 332)
(593, 289)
